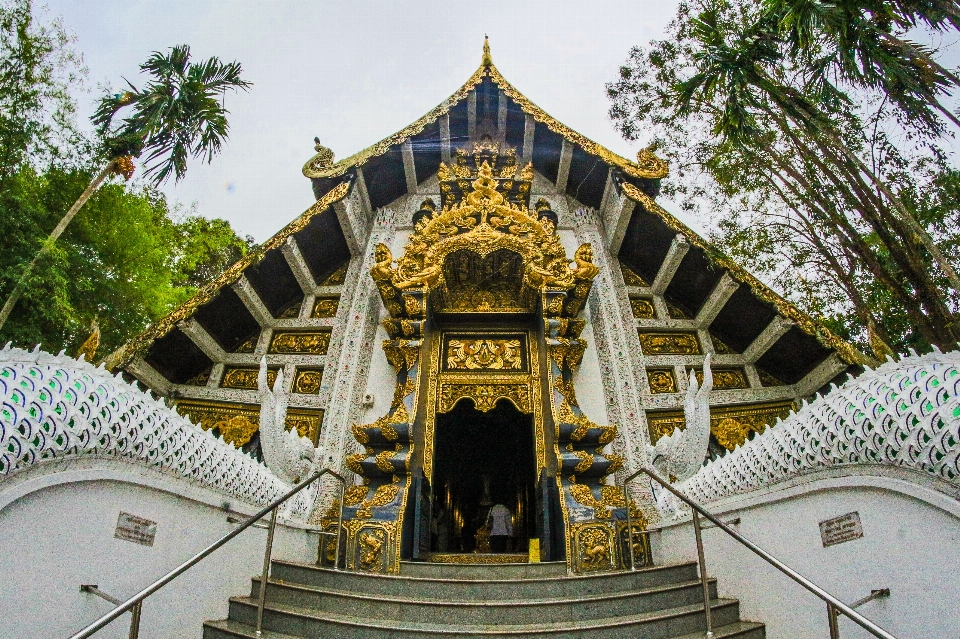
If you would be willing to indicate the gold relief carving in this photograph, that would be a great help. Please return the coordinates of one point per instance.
(360, 434)
(594, 547)
(237, 430)
(484, 395)
(248, 346)
(300, 342)
(307, 381)
(630, 278)
(669, 343)
(200, 379)
(306, 421)
(676, 312)
(610, 497)
(381, 497)
(325, 307)
(245, 377)
(209, 415)
(337, 277)
(412, 305)
(661, 381)
(586, 461)
(566, 389)
(730, 425)
(767, 379)
(471, 558)
(371, 548)
(642, 308)
(720, 347)
(556, 306)
(383, 459)
(484, 354)
(354, 495)
(725, 378)
(291, 312)
(353, 462)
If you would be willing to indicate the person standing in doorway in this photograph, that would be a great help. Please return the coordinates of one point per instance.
(500, 521)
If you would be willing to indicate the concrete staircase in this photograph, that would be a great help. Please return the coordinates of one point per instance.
(508, 601)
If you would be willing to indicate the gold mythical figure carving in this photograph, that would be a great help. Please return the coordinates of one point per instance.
(484, 354)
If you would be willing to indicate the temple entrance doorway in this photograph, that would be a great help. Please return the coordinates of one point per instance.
(483, 459)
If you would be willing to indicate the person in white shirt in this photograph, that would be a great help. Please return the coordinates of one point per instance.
(500, 521)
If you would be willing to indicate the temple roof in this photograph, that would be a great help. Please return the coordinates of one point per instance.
(581, 168)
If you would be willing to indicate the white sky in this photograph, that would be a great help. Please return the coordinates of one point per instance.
(352, 73)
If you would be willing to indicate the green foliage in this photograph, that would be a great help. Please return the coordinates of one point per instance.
(177, 114)
(813, 185)
(124, 261)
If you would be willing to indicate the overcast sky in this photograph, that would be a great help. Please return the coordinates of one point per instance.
(352, 73)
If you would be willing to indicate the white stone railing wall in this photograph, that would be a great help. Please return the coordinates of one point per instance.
(904, 413)
(54, 407)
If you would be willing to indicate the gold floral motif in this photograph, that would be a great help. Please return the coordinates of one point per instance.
(586, 461)
(484, 354)
(300, 342)
(291, 312)
(484, 395)
(325, 307)
(661, 381)
(354, 495)
(412, 305)
(383, 459)
(248, 346)
(360, 434)
(139, 344)
(208, 415)
(337, 277)
(307, 381)
(669, 343)
(566, 389)
(381, 497)
(642, 308)
(731, 425)
(630, 278)
(246, 377)
(353, 462)
(725, 378)
(237, 430)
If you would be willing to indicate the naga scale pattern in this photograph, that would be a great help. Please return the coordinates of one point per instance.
(55, 407)
(904, 413)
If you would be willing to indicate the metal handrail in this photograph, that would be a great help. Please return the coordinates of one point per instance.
(182, 568)
(134, 633)
(834, 605)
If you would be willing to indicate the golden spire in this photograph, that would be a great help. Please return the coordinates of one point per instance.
(487, 60)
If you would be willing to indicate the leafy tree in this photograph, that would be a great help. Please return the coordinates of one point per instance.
(802, 178)
(177, 114)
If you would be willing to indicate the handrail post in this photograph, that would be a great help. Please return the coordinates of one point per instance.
(833, 620)
(265, 575)
(626, 500)
(336, 553)
(135, 621)
(701, 559)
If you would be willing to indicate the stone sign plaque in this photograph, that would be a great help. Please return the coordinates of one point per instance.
(840, 529)
(135, 529)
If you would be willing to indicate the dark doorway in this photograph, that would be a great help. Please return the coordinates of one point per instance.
(482, 459)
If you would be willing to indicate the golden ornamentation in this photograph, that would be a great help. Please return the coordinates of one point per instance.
(610, 497)
(337, 277)
(353, 462)
(630, 278)
(642, 308)
(737, 421)
(767, 379)
(291, 312)
(676, 312)
(586, 461)
(371, 548)
(471, 558)
(661, 381)
(249, 345)
(807, 324)
(139, 344)
(245, 377)
(484, 395)
(360, 434)
(383, 459)
(207, 414)
(89, 347)
(237, 430)
(300, 342)
(484, 354)
(669, 343)
(381, 497)
(720, 347)
(567, 390)
(594, 548)
(725, 378)
(324, 156)
(200, 379)
(412, 305)
(354, 495)
(325, 307)
(307, 381)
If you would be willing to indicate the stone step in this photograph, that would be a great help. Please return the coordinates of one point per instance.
(229, 629)
(557, 587)
(488, 610)
(483, 571)
(304, 622)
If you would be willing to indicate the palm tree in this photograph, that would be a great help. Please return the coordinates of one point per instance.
(177, 114)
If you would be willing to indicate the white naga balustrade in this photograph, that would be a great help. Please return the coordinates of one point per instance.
(904, 413)
(55, 407)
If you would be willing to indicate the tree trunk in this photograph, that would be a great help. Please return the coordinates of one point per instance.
(51, 240)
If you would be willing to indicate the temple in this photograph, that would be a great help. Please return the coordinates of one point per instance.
(486, 310)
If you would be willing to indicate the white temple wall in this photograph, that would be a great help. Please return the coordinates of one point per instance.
(58, 532)
(910, 544)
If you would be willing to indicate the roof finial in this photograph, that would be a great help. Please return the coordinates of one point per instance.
(487, 60)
